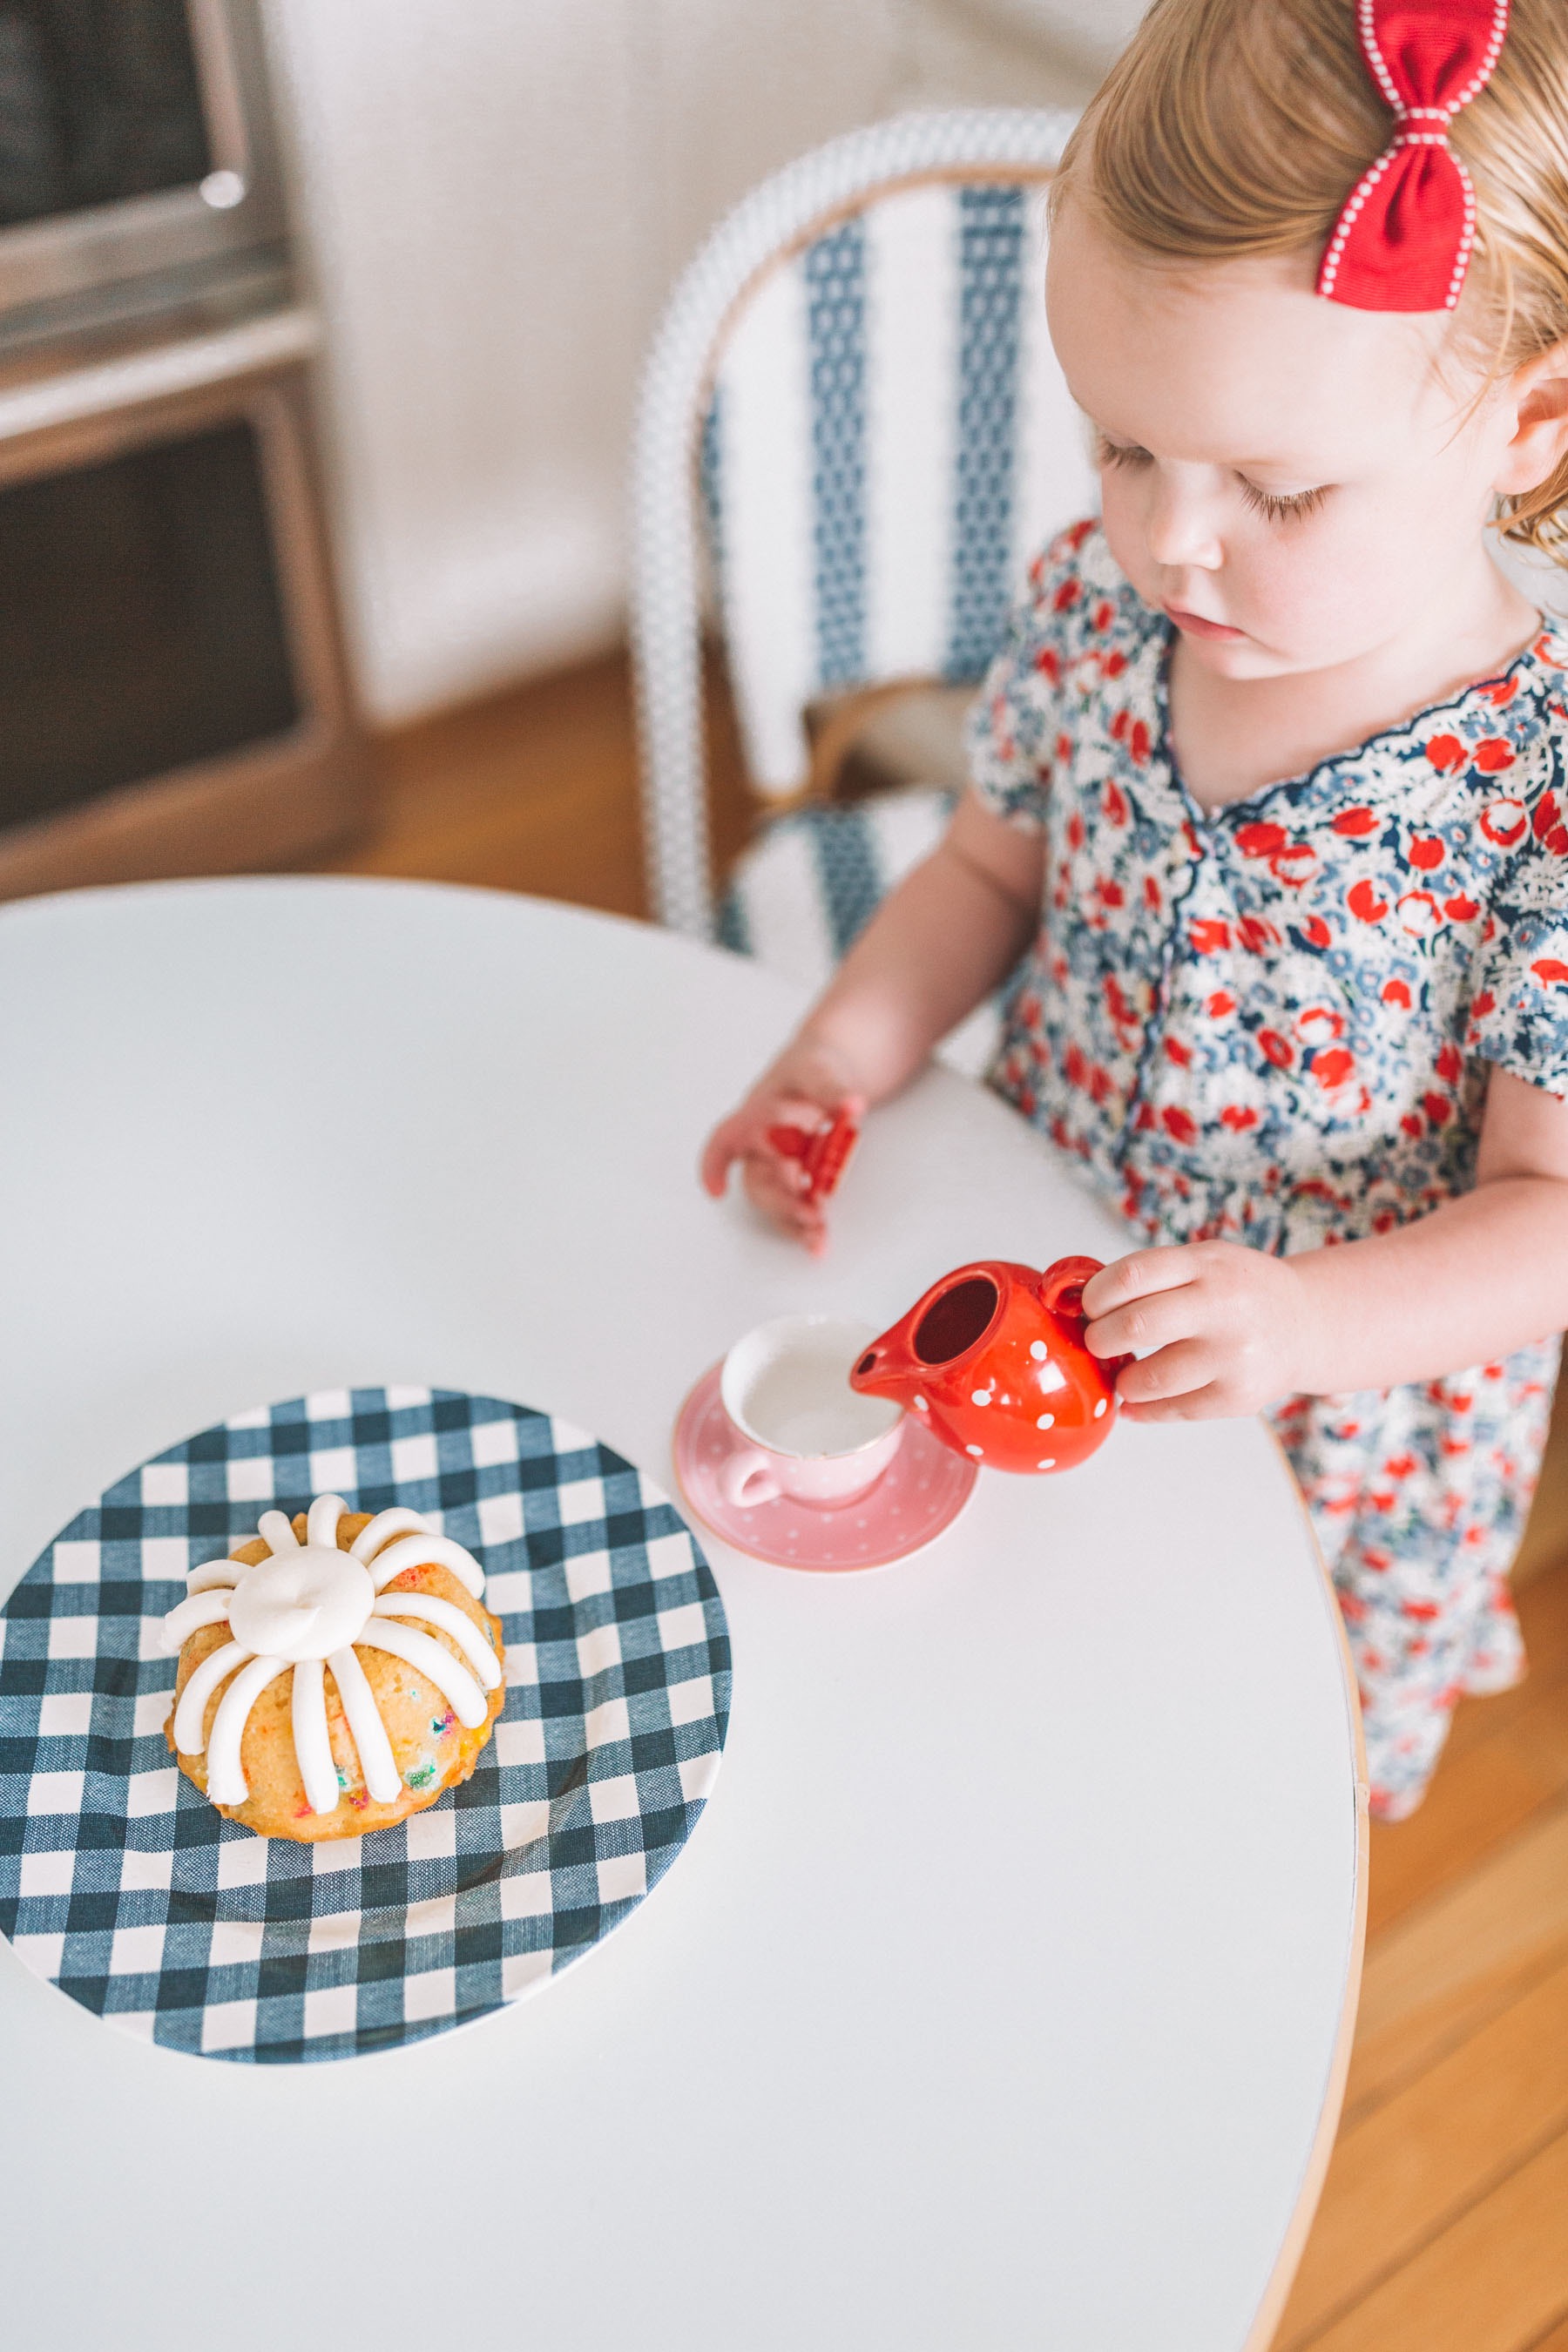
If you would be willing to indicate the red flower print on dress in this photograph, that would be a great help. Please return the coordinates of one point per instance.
(1179, 1124)
(1320, 1024)
(1210, 937)
(1176, 1052)
(1067, 595)
(1551, 972)
(1276, 1048)
(1355, 823)
(1446, 752)
(1238, 1117)
(1295, 864)
(1460, 909)
(1257, 934)
(1546, 823)
(1260, 840)
(1219, 1004)
(1492, 754)
(1114, 800)
(1123, 1014)
(1426, 852)
(1503, 822)
(1363, 902)
(1397, 991)
(1049, 664)
(1419, 913)
(1334, 1065)
(1501, 691)
(1139, 743)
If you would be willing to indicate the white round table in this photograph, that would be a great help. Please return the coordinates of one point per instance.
(1001, 1997)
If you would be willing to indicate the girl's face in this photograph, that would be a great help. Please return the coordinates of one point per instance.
(1296, 483)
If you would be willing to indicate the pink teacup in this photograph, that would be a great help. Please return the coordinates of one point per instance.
(785, 1386)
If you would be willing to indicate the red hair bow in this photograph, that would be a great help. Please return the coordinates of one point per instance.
(1402, 240)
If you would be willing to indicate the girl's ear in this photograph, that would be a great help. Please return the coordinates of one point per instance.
(1540, 440)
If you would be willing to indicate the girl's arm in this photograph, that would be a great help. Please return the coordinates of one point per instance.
(1223, 1329)
(936, 946)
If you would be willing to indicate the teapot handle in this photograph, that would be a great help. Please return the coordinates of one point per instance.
(1061, 1292)
(1061, 1286)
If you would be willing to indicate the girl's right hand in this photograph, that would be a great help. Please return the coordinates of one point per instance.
(804, 1088)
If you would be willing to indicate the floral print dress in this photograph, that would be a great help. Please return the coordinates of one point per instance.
(1272, 1024)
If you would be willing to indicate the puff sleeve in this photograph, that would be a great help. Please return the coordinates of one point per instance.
(1518, 1011)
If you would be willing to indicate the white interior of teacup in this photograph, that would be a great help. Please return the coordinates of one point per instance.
(786, 1384)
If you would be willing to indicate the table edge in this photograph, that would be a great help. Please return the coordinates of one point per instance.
(1271, 2308)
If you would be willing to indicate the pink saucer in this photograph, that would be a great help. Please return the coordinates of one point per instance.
(921, 1492)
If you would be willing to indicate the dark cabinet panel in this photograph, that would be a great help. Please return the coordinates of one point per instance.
(141, 622)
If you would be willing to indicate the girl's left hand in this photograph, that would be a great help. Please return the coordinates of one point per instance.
(1217, 1330)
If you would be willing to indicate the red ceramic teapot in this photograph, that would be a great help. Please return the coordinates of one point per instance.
(993, 1359)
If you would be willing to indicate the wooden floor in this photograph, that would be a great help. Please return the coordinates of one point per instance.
(536, 790)
(1444, 2224)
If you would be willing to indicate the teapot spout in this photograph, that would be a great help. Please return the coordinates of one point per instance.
(886, 1370)
(943, 1326)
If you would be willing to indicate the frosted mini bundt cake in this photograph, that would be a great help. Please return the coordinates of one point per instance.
(336, 1673)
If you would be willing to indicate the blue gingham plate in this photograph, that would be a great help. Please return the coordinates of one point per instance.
(121, 1884)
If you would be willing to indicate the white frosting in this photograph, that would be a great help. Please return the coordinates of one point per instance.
(375, 1757)
(463, 1630)
(188, 1616)
(306, 1607)
(313, 1742)
(192, 1711)
(421, 1551)
(303, 1604)
(455, 1683)
(382, 1527)
(226, 1783)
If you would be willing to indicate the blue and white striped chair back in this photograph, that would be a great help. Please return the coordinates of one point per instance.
(888, 439)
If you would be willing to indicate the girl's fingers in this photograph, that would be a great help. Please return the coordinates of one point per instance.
(746, 1134)
(1141, 1275)
(720, 1150)
(1155, 1321)
(1206, 1403)
(1178, 1370)
(773, 1189)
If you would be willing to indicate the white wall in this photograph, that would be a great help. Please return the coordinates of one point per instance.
(496, 196)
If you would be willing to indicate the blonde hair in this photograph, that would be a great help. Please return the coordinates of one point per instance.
(1235, 127)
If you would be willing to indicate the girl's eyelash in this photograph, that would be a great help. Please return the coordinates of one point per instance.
(1279, 508)
(1276, 505)
(1118, 453)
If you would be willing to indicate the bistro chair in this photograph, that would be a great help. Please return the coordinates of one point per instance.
(853, 434)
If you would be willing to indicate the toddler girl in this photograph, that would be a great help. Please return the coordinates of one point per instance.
(1270, 793)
